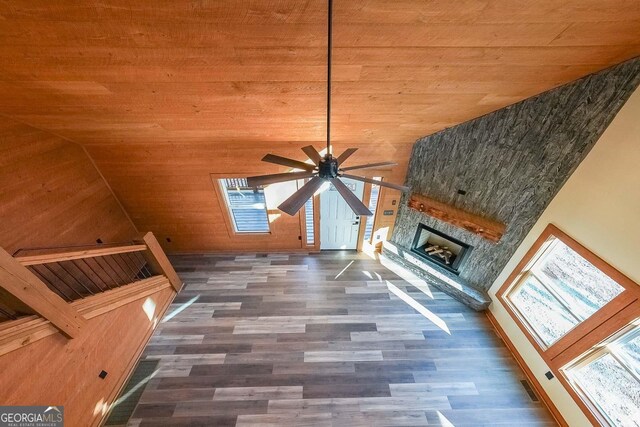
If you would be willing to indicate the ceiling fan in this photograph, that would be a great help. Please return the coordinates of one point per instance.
(324, 168)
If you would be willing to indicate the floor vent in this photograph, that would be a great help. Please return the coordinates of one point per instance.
(131, 393)
(529, 390)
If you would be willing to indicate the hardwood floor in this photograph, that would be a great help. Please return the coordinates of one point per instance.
(333, 339)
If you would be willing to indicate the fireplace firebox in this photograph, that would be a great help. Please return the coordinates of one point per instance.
(439, 248)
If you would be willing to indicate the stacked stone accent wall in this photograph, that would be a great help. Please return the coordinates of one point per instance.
(511, 163)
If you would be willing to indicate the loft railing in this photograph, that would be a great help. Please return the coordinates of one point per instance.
(56, 290)
(76, 273)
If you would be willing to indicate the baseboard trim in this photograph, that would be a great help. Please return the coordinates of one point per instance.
(544, 397)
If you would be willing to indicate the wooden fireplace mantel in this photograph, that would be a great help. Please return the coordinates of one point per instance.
(487, 228)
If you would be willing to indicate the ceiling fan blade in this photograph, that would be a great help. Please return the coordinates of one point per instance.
(299, 198)
(369, 166)
(254, 181)
(279, 160)
(352, 200)
(346, 154)
(375, 181)
(312, 154)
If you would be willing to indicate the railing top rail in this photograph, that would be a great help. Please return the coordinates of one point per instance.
(66, 248)
(69, 255)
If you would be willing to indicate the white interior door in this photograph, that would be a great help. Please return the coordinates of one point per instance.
(339, 226)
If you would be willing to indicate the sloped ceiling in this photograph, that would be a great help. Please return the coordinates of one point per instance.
(254, 71)
(162, 93)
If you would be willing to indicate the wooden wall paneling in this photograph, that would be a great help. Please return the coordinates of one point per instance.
(110, 342)
(29, 329)
(104, 302)
(23, 332)
(184, 204)
(126, 214)
(162, 301)
(51, 195)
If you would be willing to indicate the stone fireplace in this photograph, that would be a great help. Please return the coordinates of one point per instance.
(439, 248)
(486, 182)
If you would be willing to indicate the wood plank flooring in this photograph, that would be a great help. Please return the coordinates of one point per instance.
(330, 339)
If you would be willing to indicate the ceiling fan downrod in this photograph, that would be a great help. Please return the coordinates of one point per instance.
(329, 48)
(324, 168)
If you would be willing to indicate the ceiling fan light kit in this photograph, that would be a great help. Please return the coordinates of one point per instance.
(324, 168)
(328, 167)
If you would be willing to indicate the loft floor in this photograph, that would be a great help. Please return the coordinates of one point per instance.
(325, 339)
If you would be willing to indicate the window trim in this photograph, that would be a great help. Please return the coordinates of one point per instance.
(591, 355)
(226, 208)
(599, 327)
(530, 328)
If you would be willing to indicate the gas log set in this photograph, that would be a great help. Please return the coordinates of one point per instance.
(440, 251)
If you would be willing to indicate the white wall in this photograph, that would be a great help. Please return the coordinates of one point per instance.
(599, 206)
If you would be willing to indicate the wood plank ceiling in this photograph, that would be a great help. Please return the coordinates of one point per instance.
(163, 93)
